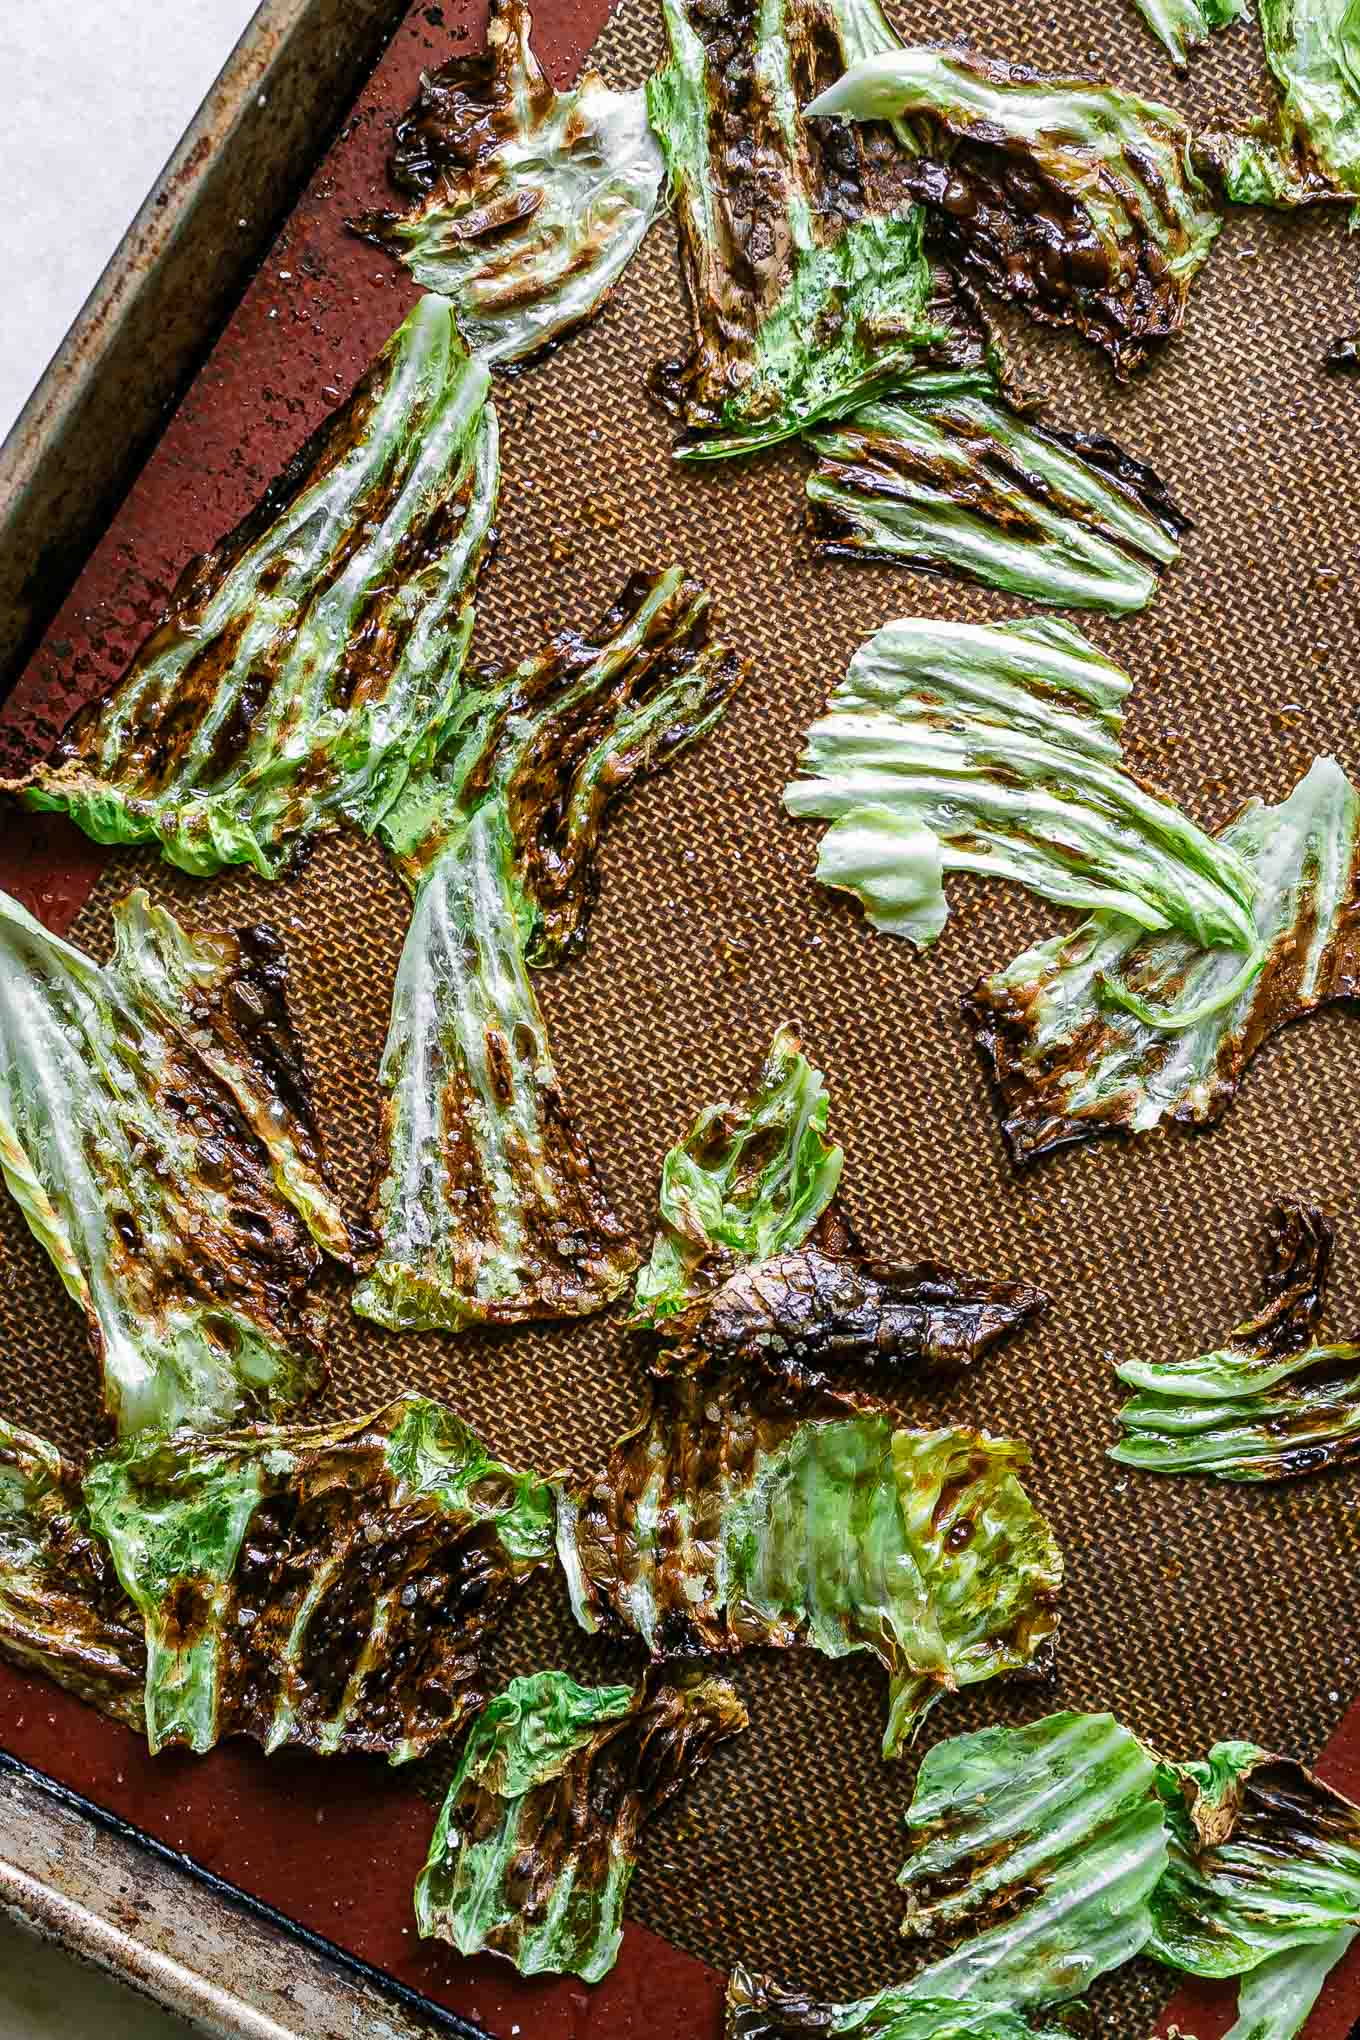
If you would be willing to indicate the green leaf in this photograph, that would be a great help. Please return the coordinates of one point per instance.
(1002, 741)
(760, 2009)
(1264, 1858)
(1276, 1997)
(528, 204)
(1271, 1402)
(536, 1840)
(1055, 1827)
(1182, 25)
(156, 1131)
(308, 661)
(809, 284)
(1070, 1065)
(62, 1610)
(1080, 201)
(741, 1514)
(747, 1182)
(1309, 149)
(487, 1205)
(328, 1587)
(946, 475)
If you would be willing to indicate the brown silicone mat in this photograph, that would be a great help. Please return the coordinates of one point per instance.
(1195, 1611)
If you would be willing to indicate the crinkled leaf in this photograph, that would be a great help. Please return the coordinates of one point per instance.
(486, 1203)
(803, 248)
(1264, 1857)
(328, 1587)
(1045, 1845)
(62, 1608)
(760, 2009)
(1271, 1402)
(1002, 742)
(528, 203)
(1276, 1997)
(754, 1506)
(1076, 199)
(305, 664)
(156, 1129)
(1182, 25)
(747, 1182)
(1309, 149)
(946, 475)
(538, 1835)
(1070, 1066)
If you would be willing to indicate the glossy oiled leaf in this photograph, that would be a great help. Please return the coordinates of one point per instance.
(1275, 1998)
(946, 475)
(754, 1506)
(1309, 149)
(1264, 1858)
(746, 1182)
(995, 750)
(62, 1608)
(486, 1204)
(538, 1835)
(760, 2009)
(802, 244)
(528, 203)
(1078, 200)
(329, 1587)
(1268, 1404)
(1182, 25)
(1044, 1846)
(1069, 1066)
(156, 1129)
(306, 663)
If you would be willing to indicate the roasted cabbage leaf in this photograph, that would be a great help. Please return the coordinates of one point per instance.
(536, 1841)
(1077, 200)
(305, 664)
(760, 2009)
(1308, 150)
(1068, 1066)
(486, 1203)
(803, 246)
(1264, 1859)
(1182, 25)
(528, 204)
(995, 749)
(946, 474)
(1271, 1402)
(329, 1587)
(746, 1182)
(753, 1505)
(1275, 1998)
(62, 1608)
(1050, 1840)
(156, 1130)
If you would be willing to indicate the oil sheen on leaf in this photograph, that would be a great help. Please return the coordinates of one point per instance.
(1269, 1404)
(486, 1203)
(1308, 151)
(306, 663)
(1110, 221)
(330, 1588)
(1182, 25)
(760, 2009)
(1070, 1066)
(538, 1836)
(1001, 743)
(528, 204)
(156, 1130)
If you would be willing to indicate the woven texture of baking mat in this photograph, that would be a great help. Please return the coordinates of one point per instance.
(1195, 1611)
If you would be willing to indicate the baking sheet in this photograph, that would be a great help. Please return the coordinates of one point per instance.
(1194, 1611)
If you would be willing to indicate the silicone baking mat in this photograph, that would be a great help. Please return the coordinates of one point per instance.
(1193, 1610)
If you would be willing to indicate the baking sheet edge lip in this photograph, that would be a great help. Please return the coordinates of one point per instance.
(222, 1887)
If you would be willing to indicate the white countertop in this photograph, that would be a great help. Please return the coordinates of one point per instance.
(94, 94)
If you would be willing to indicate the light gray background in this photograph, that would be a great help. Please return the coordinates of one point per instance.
(94, 94)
